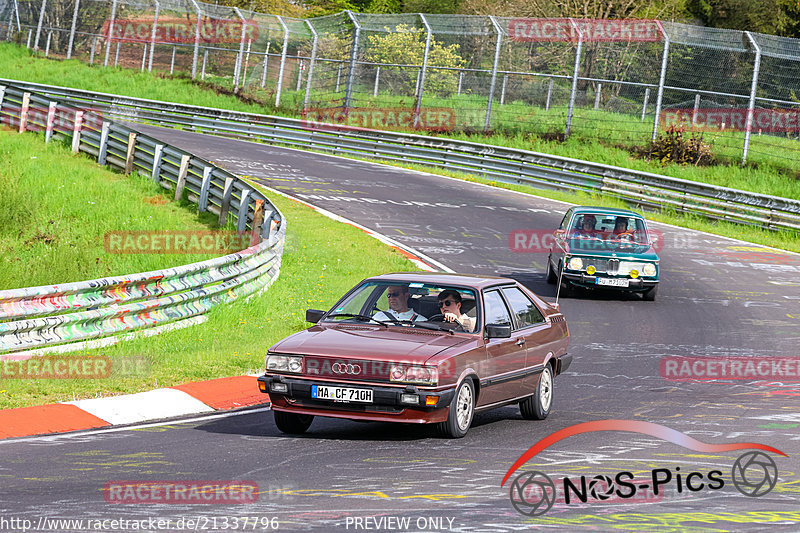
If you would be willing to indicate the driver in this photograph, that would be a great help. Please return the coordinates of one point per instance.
(398, 306)
(450, 304)
(621, 228)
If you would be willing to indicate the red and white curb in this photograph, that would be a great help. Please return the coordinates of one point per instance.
(202, 397)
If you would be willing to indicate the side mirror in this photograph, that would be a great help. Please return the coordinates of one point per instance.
(498, 331)
(314, 315)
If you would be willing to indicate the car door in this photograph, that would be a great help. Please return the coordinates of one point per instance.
(534, 330)
(505, 358)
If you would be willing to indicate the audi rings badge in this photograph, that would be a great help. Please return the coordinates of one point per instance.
(345, 368)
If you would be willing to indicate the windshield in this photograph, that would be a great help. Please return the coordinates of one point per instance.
(602, 230)
(409, 304)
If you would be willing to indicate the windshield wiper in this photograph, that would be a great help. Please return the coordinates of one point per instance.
(425, 325)
(365, 318)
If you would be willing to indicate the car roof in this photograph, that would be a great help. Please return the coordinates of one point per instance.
(605, 210)
(444, 278)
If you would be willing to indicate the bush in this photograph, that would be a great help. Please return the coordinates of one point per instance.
(673, 146)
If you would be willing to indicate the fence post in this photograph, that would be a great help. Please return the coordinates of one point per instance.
(351, 72)
(283, 60)
(51, 118)
(503, 89)
(144, 57)
(202, 202)
(338, 77)
(39, 25)
(646, 100)
(266, 64)
(101, 155)
(157, 156)
(597, 94)
(23, 112)
(311, 62)
(110, 30)
(153, 36)
(47, 46)
(226, 202)
(696, 107)
(91, 54)
(751, 105)
(172, 60)
(377, 81)
(575, 72)
(460, 80)
(237, 70)
(72, 28)
(76, 132)
(300, 65)
(205, 58)
(499, 31)
(28, 42)
(549, 95)
(116, 55)
(184, 169)
(196, 51)
(661, 78)
(130, 153)
(423, 70)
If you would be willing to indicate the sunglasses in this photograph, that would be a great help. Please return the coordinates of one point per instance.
(393, 294)
(446, 303)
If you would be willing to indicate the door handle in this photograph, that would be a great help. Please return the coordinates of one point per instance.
(520, 342)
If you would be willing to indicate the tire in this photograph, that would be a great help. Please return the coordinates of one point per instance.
(551, 276)
(538, 406)
(292, 423)
(650, 294)
(461, 412)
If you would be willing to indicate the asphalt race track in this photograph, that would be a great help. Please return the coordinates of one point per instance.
(719, 298)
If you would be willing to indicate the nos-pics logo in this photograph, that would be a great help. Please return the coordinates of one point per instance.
(533, 493)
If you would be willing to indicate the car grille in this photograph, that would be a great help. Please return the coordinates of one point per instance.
(613, 267)
(348, 369)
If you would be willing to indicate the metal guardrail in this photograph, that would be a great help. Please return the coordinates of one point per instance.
(55, 314)
(508, 165)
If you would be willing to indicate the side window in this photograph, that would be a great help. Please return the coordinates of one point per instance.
(565, 220)
(496, 311)
(526, 311)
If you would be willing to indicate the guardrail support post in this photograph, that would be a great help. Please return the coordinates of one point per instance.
(181, 183)
(2, 97)
(101, 155)
(549, 95)
(39, 25)
(23, 112)
(241, 216)
(76, 132)
(157, 157)
(597, 94)
(423, 70)
(644, 105)
(499, 31)
(311, 63)
(258, 220)
(752, 103)
(130, 153)
(196, 50)
(227, 192)
(575, 72)
(205, 185)
(351, 72)
(153, 36)
(51, 118)
(237, 70)
(661, 78)
(110, 30)
(283, 60)
(72, 28)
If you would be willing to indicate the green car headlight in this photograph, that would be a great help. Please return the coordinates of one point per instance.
(576, 263)
(649, 269)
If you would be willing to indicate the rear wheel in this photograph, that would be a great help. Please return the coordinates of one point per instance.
(537, 407)
(551, 276)
(292, 423)
(461, 412)
(650, 294)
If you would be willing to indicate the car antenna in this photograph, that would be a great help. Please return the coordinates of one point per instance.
(560, 275)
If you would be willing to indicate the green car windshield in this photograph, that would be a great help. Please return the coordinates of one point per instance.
(593, 230)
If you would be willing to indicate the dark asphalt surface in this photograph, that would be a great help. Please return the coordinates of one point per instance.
(718, 298)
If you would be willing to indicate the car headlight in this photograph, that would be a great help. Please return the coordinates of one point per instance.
(576, 263)
(284, 363)
(649, 269)
(428, 375)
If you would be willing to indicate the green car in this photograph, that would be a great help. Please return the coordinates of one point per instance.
(599, 247)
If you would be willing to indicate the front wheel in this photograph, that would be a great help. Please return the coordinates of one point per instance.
(551, 276)
(461, 412)
(650, 294)
(537, 407)
(292, 423)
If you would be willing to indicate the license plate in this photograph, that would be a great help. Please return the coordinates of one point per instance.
(341, 394)
(613, 282)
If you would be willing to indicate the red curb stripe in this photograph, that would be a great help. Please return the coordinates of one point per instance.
(226, 393)
(54, 418)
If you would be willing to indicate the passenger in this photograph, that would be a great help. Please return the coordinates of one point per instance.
(398, 306)
(450, 305)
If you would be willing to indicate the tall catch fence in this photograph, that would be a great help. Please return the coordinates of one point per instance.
(623, 82)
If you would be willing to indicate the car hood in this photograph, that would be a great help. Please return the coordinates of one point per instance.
(369, 342)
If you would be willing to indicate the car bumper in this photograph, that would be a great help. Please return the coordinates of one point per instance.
(585, 280)
(563, 363)
(385, 406)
